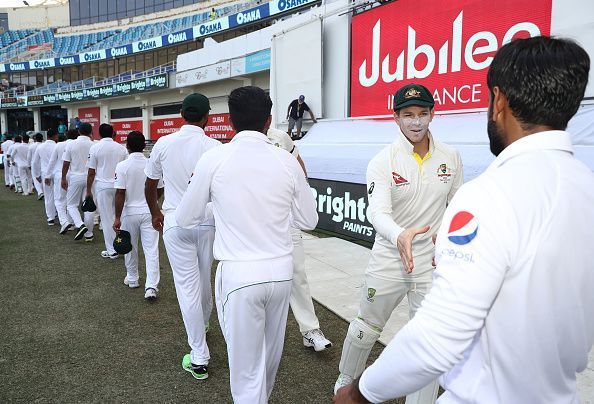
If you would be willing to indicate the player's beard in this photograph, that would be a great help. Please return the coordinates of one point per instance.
(496, 138)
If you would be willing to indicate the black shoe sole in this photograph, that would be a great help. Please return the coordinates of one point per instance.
(66, 229)
(81, 232)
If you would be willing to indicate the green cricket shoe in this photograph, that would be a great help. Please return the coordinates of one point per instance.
(199, 372)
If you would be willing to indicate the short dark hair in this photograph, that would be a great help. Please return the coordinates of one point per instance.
(85, 129)
(105, 130)
(8, 136)
(26, 138)
(72, 134)
(18, 139)
(193, 116)
(50, 133)
(39, 137)
(249, 108)
(135, 141)
(543, 78)
(61, 138)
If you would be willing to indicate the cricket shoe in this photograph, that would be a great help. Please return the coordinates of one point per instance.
(65, 228)
(316, 339)
(40, 197)
(131, 285)
(343, 380)
(80, 232)
(199, 372)
(106, 254)
(150, 294)
(51, 222)
(89, 239)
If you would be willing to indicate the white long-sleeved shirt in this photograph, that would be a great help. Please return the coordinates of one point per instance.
(510, 316)
(103, 158)
(32, 147)
(130, 176)
(77, 153)
(19, 154)
(173, 159)
(57, 159)
(41, 158)
(6, 146)
(254, 186)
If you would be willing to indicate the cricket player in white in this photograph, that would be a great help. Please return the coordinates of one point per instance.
(172, 160)
(103, 158)
(510, 316)
(254, 187)
(133, 215)
(38, 139)
(409, 184)
(76, 155)
(14, 170)
(53, 178)
(301, 303)
(40, 166)
(19, 156)
(6, 145)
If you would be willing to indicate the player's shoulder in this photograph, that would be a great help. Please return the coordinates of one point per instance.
(383, 156)
(210, 142)
(445, 149)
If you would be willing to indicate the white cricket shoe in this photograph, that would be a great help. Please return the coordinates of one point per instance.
(131, 285)
(343, 380)
(150, 294)
(316, 339)
(106, 254)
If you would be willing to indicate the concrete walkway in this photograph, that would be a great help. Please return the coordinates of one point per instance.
(335, 270)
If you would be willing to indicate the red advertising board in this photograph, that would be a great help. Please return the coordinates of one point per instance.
(122, 129)
(219, 127)
(446, 46)
(162, 127)
(92, 116)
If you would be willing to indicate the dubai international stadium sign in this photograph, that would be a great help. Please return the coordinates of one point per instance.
(448, 48)
(151, 83)
(205, 29)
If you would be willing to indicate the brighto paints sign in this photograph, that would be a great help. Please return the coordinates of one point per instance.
(448, 48)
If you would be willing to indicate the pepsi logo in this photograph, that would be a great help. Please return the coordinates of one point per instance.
(463, 228)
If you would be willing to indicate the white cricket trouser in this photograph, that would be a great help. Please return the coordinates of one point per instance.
(7, 174)
(50, 205)
(301, 303)
(25, 180)
(252, 305)
(141, 225)
(105, 197)
(74, 196)
(30, 179)
(16, 180)
(60, 200)
(38, 185)
(190, 255)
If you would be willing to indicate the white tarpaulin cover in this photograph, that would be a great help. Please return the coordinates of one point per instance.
(341, 150)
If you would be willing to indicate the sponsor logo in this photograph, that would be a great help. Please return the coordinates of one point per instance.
(370, 294)
(115, 52)
(93, 56)
(151, 44)
(399, 180)
(175, 38)
(444, 173)
(250, 16)
(209, 28)
(287, 4)
(458, 255)
(17, 66)
(67, 61)
(39, 64)
(370, 191)
(463, 228)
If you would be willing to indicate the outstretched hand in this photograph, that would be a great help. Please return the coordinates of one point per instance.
(404, 244)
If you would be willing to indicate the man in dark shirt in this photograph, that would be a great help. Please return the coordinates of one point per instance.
(295, 115)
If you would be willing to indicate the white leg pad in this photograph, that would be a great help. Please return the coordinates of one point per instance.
(357, 347)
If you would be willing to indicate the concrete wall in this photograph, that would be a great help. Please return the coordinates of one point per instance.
(37, 17)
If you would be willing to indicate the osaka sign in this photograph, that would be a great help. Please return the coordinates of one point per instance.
(447, 46)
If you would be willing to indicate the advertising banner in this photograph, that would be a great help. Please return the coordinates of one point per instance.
(122, 129)
(342, 208)
(164, 126)
(448, 48)
(92, 116)
(219, 127)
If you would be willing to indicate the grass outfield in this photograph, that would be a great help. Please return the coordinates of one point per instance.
(70, 331)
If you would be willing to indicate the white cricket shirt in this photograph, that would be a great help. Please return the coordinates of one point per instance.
(32, 147)
(173, 159)
(5, 146)
(77, 153)
(254, 186)
(510, 316)
(103, 158)
(41, 158)
(19, 154)
(129, 175)
(56, 159)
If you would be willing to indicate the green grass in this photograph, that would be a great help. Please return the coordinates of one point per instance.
(70, 331)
